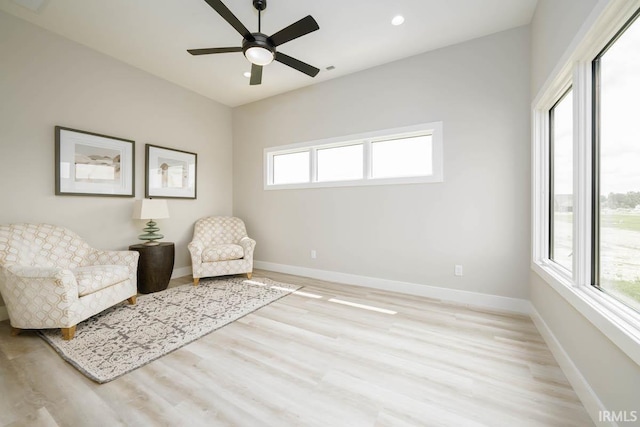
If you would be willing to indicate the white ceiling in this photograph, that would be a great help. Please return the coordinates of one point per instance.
(153, 35)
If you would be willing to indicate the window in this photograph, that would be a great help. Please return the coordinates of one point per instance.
(561, 181)
(291, 168)
(402, 157)
(616, 243)
(340, 163)
(586, 176)
(394, 156)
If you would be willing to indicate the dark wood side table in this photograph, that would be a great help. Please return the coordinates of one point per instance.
(154, 266)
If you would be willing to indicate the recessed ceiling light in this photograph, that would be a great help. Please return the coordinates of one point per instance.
(397, 20)
(247, 74)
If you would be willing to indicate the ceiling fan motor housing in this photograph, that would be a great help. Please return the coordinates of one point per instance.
(260, 4)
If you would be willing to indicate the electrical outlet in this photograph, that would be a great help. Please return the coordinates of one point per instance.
(314, 254)
(458, 270)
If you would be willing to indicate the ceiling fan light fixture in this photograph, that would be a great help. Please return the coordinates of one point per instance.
(259, 55)
(259, 50)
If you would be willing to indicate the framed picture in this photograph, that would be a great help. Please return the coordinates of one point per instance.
(90, 164)
(170, 173)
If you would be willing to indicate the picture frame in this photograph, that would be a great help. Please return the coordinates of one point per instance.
(170, 173)
(92, 164)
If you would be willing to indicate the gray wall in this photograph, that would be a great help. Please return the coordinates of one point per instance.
(479, 216)
(554, 25)
(47, 80)
(612, 375)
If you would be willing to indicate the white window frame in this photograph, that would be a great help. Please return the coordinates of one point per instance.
(434, 129)
(617, 321)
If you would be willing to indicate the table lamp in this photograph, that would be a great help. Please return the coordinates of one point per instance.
(150, 209)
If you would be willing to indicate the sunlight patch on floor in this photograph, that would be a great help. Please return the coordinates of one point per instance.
(363, 306)
(253, 282)
(308, 295)
(280, 288)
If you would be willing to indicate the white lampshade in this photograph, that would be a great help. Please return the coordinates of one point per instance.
(259, 55)
(150, 209)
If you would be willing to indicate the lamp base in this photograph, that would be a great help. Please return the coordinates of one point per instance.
(151, 236)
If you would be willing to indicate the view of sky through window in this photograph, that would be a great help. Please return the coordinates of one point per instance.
(291, 168)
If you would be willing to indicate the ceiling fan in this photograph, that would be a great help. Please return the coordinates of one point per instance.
(259, 48)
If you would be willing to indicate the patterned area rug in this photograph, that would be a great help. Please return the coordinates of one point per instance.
(126, 337)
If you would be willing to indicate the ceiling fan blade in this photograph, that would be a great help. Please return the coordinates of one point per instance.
(297, 64)
(256, 75)
(226, 14)
(214, 50)
(298, 29)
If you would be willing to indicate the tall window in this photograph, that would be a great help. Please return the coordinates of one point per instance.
(561, 181)
(598, 202)
(616, 249)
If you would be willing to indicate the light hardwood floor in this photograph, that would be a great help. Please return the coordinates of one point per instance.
(304, 361)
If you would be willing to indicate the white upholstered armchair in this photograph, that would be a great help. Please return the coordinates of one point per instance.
(220, 247)
(51, 278)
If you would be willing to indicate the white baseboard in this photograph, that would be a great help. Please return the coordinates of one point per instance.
(585, 393)
(181, 272)
(494, 302)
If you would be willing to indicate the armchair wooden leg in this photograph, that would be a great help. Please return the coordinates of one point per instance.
(15, 331)
(249, 275)
(68, 333)
(132, 300)
(196, 280)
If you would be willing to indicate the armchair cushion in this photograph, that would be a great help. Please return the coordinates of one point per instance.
(94, 278)
(224, 252)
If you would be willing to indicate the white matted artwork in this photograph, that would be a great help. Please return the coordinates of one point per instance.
(170, 173)
(90, 164)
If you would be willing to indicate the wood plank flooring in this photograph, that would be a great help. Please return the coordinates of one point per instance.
(304, 361)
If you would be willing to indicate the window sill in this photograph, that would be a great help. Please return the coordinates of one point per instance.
(615, 320)
(358, 183)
